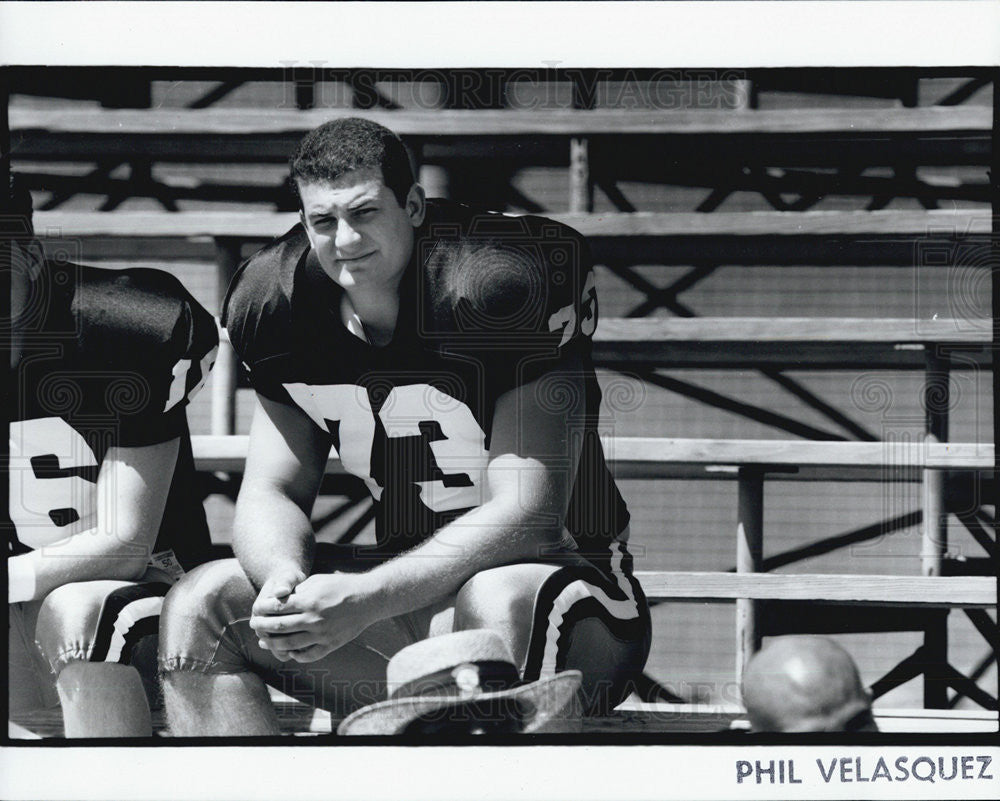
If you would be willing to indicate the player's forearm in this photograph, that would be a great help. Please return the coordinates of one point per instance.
(88, 556)
(494, 534)
(271, 534)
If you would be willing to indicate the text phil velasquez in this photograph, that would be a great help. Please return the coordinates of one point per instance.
(858, 769)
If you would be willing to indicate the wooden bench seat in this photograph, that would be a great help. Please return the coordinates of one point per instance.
(637, 717)
(949, 592)
(669, 342)
(631, 717)
(956, 135)
(125, 126)
(788, 343)
(832, 343)
(771, 238)
(656, 457)
(260, 226)
(586, 141)
(751, 463)
(659, 458)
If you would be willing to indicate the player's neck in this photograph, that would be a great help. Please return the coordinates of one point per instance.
(371, 316)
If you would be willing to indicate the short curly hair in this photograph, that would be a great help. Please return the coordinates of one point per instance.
(352, 143)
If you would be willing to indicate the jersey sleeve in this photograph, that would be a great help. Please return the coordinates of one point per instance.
(159, 344)
(257, 313)
(520, 301)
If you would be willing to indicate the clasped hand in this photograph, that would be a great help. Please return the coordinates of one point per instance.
(305, 621)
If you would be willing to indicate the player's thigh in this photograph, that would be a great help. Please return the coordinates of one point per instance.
(584, 619)
(501, 594)
(30, 681)
(205, 627)
(346, 679)
(564, 617)
(98, 621)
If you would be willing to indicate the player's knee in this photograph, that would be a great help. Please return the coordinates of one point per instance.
(67, 621)
(196, 598)
(611, 665)
(498, 595)
(197, 611)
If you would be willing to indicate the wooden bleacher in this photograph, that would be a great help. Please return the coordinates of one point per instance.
(630, 718)
(694, 342)
(838, 343)
(582, 139)
(157, 133)
(675, 342)
(717, 459)
(261, 226)
(886, 237)
(778, 238)
(657, 457)
(587, 141)
(749, 462)
(507, 122)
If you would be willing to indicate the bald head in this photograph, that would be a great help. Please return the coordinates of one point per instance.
(805, 684)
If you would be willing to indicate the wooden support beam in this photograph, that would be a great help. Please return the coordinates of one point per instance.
(935, 523)
(228, 258)
(934, 536)
(581, 186)
(434, 178)
(749, 557)
(935, 652)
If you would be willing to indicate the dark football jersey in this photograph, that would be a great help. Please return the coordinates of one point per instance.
(109, 358)
(488, 302)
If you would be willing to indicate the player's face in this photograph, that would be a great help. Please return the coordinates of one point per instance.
(361, 235)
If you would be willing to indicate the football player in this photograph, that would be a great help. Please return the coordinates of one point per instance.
(103, 514)
(444, 355)
(805, 683)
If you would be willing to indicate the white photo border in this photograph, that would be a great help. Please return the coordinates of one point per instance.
(816, 33)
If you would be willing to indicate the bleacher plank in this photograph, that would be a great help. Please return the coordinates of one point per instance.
(764, 453)
(792, 342)
(636, 717)
(789, 343)
(953, 135)
(505, 122)
(910, 591)
(773, 238)
(631, 717)
(796, 329)
(657, 457)
(669, 342)
(265, 225)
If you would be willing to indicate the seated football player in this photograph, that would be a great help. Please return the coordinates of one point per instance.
(103, 514)
(805, 684)
(445, 357)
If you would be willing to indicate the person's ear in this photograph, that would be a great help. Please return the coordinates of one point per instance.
(416, 205)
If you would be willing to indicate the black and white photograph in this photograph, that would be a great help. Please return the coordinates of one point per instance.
(362, 408)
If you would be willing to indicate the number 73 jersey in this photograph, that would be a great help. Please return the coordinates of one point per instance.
(110, 358)
(487, 303)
